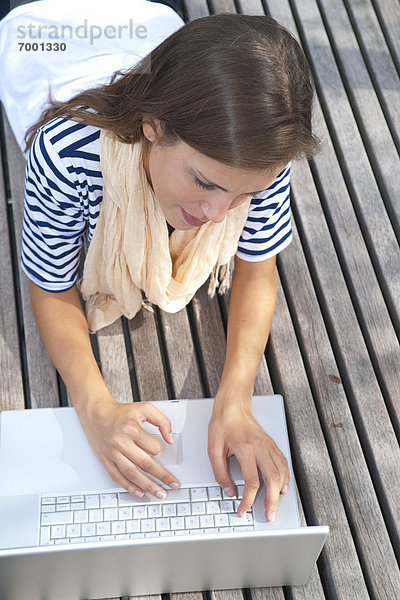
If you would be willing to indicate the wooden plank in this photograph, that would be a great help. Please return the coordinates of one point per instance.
(339, 565)
(367, 404)
(374, 130)
(380, 63)
(42, 374)
(222, 6)
(196, 9)
(250, 7)
(183, 364)
(147, 357)
(211, 337)
(358, 270)
(365, 194)
(11, 388)
(114, 362)
(388, 12)
(356, 485)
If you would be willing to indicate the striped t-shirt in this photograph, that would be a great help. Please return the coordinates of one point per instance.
(63, 194)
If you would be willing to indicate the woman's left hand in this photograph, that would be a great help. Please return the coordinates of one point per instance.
(233, 430)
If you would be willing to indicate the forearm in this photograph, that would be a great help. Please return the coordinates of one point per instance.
(63, 328)
(251, 309)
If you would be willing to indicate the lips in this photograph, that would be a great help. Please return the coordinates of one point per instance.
(193, 221)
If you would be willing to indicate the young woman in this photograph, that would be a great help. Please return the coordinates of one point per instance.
(170, 169)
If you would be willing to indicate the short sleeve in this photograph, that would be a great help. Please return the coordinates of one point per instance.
(268, 227)
(54, 222)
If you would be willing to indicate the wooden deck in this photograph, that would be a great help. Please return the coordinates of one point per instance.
(334, 349)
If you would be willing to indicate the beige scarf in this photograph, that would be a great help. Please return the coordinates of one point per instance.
(131, 251)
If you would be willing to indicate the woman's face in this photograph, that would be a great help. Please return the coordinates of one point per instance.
(192, 188)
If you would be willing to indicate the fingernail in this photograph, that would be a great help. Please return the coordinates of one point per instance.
(285, 489)
(139, 493)
(229, 491)
(171, 438)
(161, 495)
(272, 517)
(174, 485)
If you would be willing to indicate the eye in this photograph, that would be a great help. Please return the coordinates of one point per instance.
(205, 186)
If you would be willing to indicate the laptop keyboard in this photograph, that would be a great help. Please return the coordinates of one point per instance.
(117, 515)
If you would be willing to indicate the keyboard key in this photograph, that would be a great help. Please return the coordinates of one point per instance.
(181, 495)
(95, 514)
(57, 531)
(110, 514)
(148, 525)
(221, 520)
(198, 508)
(155, 510)
(199, 494)
(73, 530)
(46, 508)
(77, 499)
(108, 501)
(214, 493)
(133, 526)
(169, 510)
(235, 520)
(192, 522)
(126, 499)
(226, 506)
(226, 497)
(140, 512)
(88, 529)
(212, 507)
(48, 501)
(207, 521)
(92, 501)
(62, 507)
(63, 499)
(56, 518)
(183, 509)
(240, 489)
(177, 523)
(80, 516)
(118, 527)
(125, 513)
(44, 535)
(103, 528)
(162, 524)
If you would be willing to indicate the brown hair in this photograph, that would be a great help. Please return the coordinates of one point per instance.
(237, 88)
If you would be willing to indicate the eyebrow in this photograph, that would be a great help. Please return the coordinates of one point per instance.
(206, 180)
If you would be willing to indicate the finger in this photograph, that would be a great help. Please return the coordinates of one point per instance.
(135, 464)
(275, 476)
(121, 480)
(251, 482)
(156, 417)
(285, 486)
(220, 468)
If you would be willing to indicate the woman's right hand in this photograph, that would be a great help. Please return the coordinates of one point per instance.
(124, 448)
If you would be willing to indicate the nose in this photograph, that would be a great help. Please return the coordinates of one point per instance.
(214, 211)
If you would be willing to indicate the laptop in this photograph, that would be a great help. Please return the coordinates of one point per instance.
(68, 532)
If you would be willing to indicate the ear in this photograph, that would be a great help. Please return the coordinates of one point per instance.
(151, 128)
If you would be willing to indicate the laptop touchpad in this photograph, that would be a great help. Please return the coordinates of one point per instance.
(171, 454)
